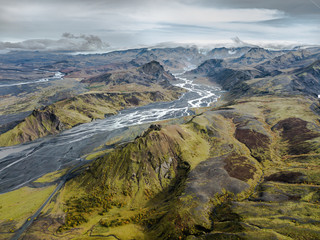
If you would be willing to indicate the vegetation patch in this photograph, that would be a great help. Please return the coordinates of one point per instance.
(239, 167)
(297, 131)
(17, 206)
(286, 177)
(252, 139)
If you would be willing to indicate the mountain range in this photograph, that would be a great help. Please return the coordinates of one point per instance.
(246, 167)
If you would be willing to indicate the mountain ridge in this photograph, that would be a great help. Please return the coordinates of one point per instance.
(96, 104)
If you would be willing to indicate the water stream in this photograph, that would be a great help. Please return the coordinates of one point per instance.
(24, 163)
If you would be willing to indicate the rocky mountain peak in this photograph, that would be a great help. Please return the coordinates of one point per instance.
(258, 53)
(209, 66)
(257, 49)
(153, 68)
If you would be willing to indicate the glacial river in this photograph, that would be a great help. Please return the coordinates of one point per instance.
(22, 164)
(56, 76)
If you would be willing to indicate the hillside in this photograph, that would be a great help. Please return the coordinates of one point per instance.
(290, 59)
(209, 67)
(293, 72)
(302, 81)
(255, 56)
(238, 171)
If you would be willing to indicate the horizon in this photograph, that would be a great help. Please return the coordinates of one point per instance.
(77, 47)
(83, 25)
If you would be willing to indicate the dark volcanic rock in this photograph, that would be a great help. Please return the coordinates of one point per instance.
(153, 68)
(297, 132)
(210, 177)
(238, 167)
(286, 177)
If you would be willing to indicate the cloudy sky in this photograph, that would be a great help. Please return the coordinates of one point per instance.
(88, 24)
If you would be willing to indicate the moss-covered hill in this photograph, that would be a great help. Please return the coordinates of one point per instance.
(247, 170)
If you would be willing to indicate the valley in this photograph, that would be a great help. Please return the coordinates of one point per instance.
(171, 143)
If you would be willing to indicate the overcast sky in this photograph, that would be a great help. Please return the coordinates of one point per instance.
(128, 23)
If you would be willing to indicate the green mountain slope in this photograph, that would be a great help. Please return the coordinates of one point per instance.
(130, 88)
(234, 172)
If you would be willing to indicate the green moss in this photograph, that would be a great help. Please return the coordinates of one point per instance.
(51, 177)
(18, 205)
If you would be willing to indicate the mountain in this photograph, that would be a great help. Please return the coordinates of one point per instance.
(173, 59)
(307, 80)
(109, 93)
(208, 67)
(246, 167)
(228, 78)
(291, 73)
(291, 59)
(302, 81)
(147, 74)
(255, 56)
(223, 53)
(227, 173)
(219, 71)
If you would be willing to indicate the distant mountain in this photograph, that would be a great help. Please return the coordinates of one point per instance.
(289, 73)
(222, 53)
(208, 67)
(173, 59)
(219, 71)
(255, 56)
(156, 70)
(307, 80)
(287, 60)
(228, 78)
(303, 81)
(149, 73)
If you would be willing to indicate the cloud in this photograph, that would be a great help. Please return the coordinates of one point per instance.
(183, 14)
(291, 7)
(239, 43)
(68, 42)
(127, 23)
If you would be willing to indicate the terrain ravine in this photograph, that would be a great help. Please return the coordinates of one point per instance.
(22, 164)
